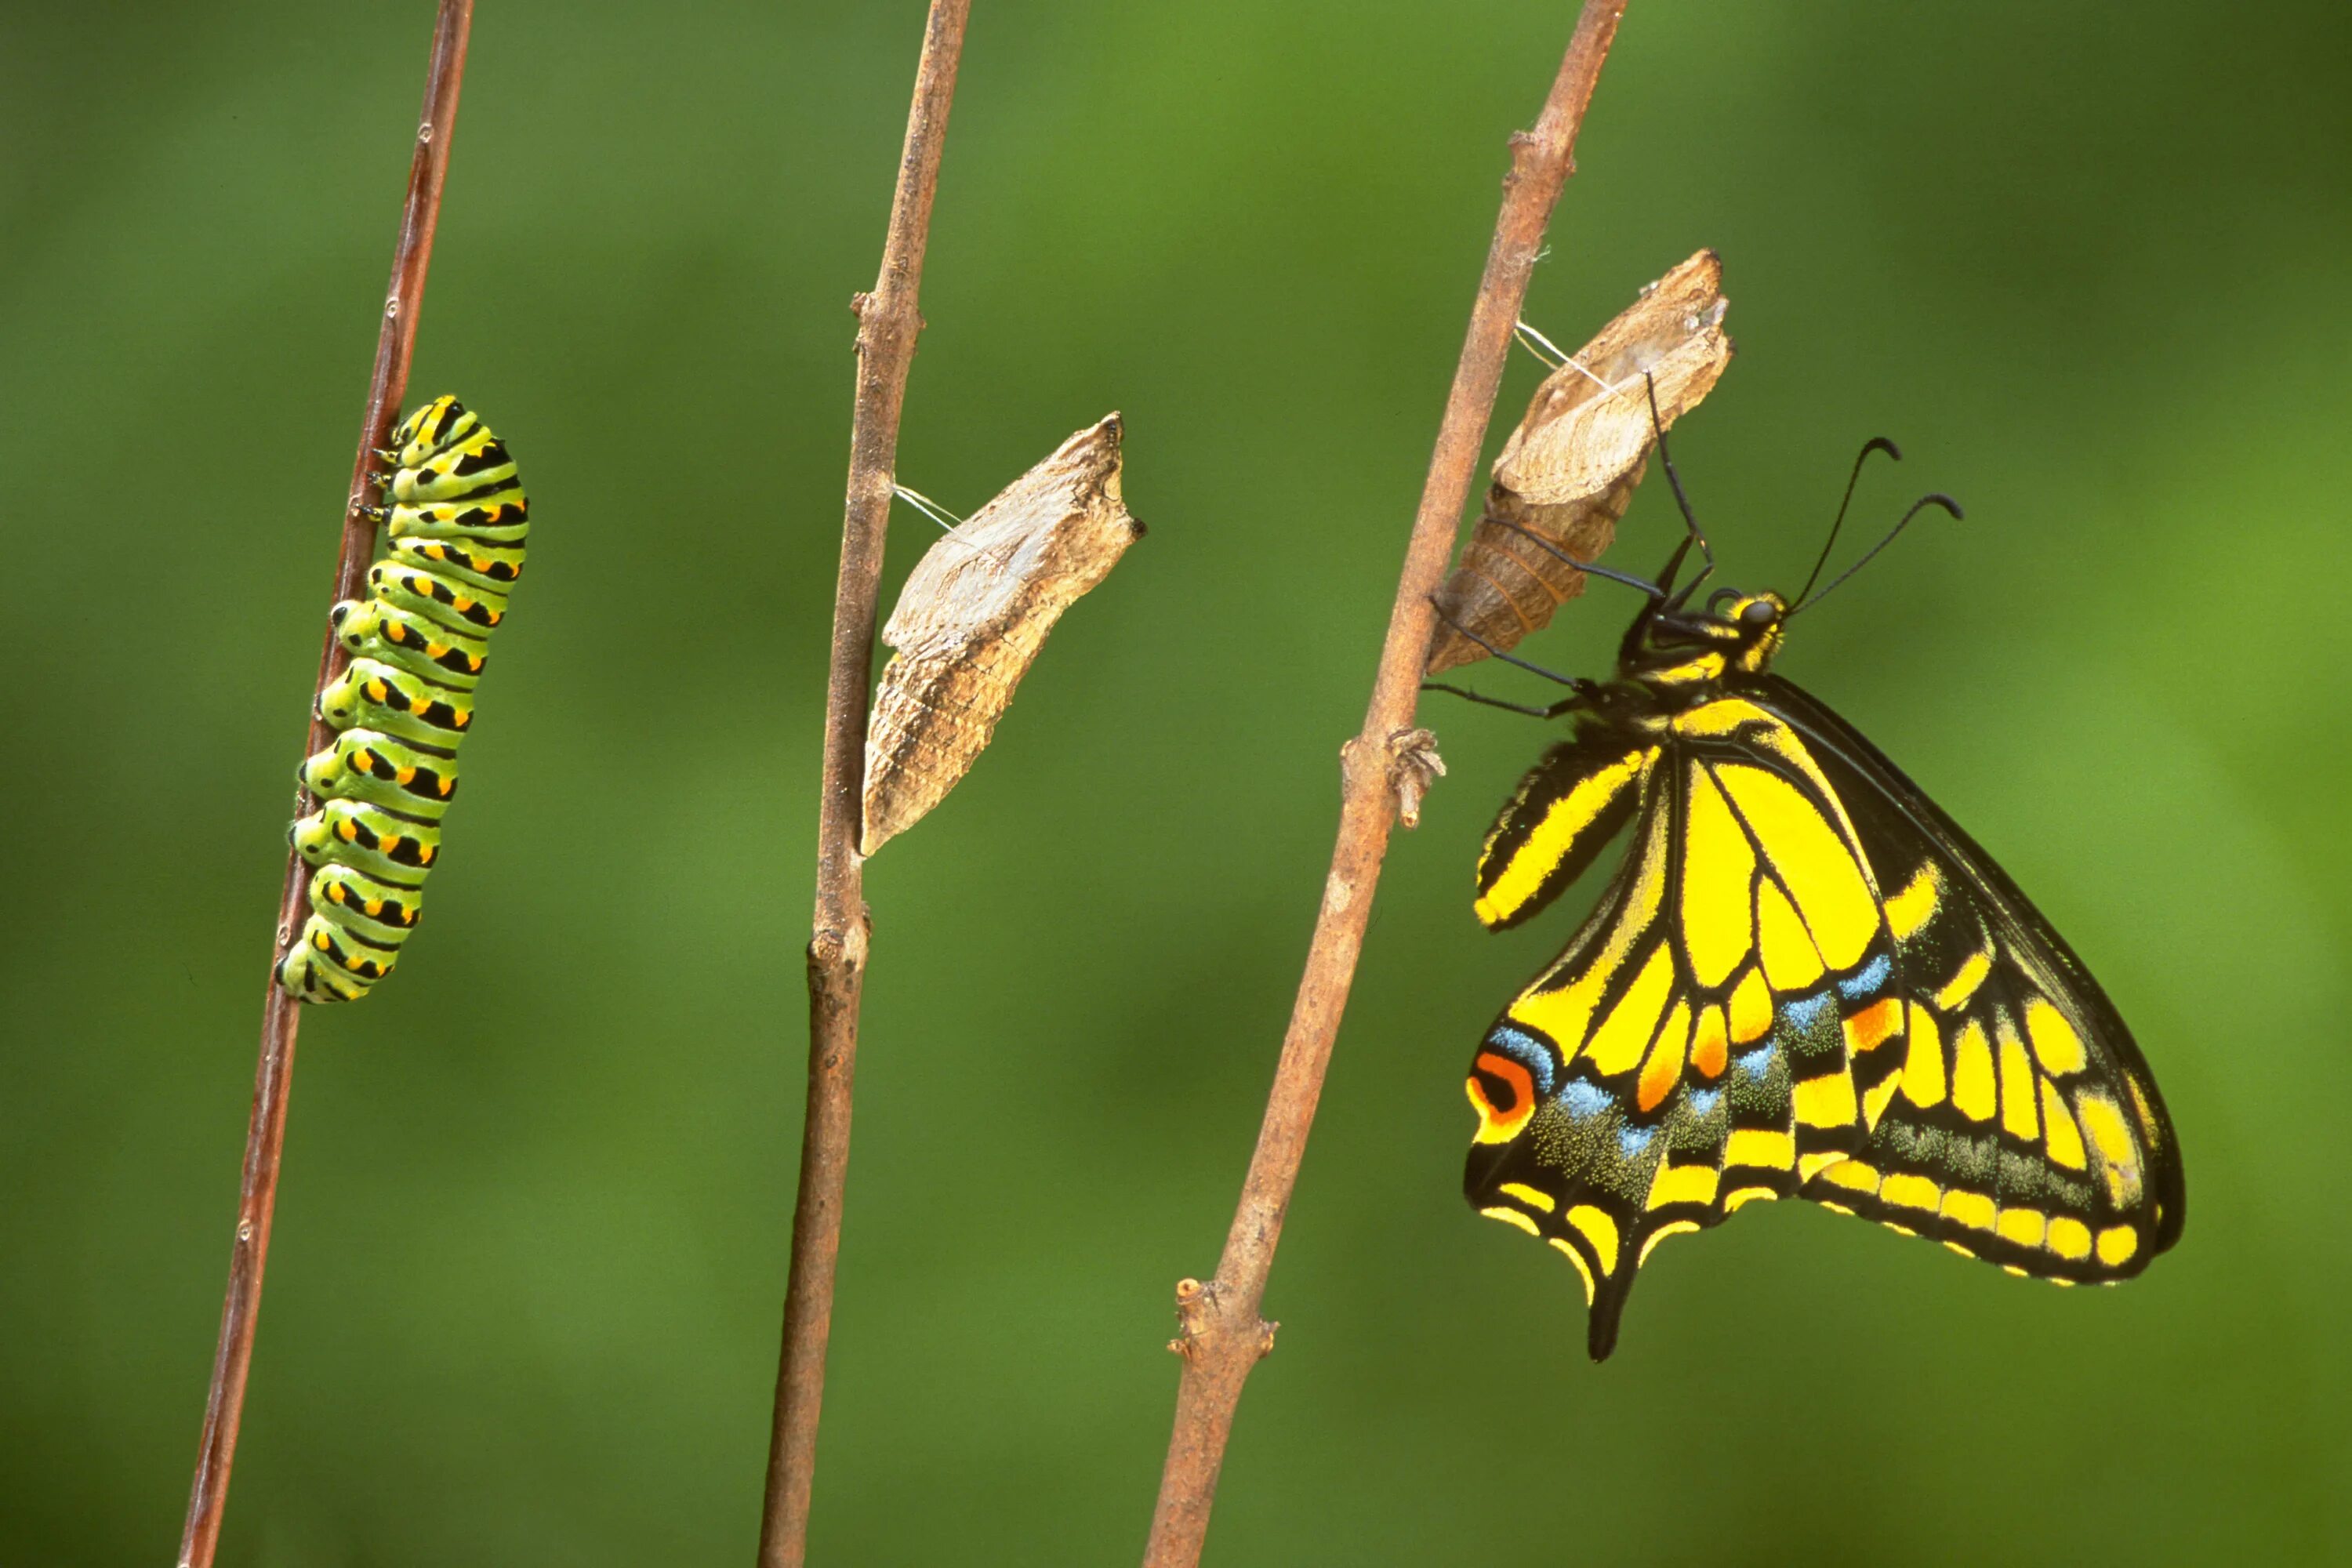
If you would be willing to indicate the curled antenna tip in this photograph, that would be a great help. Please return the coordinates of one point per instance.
(1882, 444)
(1934, 498)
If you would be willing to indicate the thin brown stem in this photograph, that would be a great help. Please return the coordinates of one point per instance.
(1222, 1334)
(265, 1136)
(887, 325)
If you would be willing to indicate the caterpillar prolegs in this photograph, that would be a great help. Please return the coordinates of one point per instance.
(456, 519)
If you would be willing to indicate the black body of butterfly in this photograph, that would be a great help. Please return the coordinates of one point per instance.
(1803, 980)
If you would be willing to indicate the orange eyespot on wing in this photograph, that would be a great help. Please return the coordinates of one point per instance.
(1503, 1096)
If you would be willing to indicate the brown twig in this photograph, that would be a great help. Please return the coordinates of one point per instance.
(1222, 1334)
(887, 325)
(265, 1136)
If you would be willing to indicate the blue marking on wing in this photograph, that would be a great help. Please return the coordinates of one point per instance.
(1633, 1140)
(1802, 1010)
(1756, 1063)
(1526, 1050)
(1867, 981)
(1584, 1098)
(1703, 1101)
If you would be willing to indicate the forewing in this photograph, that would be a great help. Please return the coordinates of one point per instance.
(1577, 798)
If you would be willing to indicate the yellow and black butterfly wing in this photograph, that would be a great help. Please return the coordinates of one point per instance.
(1572, 803)
(1739, 1016)
(2024, 1127)
(1690, 1051)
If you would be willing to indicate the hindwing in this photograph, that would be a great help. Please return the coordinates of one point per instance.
(2024, 1096)
(1801, 980)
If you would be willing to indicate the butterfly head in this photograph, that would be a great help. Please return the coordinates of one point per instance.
(1754, 623)
(1688, 651)
(1740, 632)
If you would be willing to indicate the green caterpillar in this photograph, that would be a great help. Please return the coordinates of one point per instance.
(455, 518)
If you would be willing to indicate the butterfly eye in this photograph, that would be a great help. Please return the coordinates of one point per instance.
(1758, 613)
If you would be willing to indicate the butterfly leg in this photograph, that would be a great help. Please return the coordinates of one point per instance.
(1576, 683)
(1690, 519)
(1552, 711)
(1674, 479)
(1593, 568)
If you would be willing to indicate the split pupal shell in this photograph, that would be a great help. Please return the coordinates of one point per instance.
(973, 614)
(1568, 471)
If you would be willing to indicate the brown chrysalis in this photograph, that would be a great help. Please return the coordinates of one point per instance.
(973, 614)
(1568, 471)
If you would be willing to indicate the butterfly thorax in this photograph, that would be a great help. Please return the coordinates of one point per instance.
(1672, 661)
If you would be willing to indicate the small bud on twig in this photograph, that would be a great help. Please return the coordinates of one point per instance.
(1413, 766)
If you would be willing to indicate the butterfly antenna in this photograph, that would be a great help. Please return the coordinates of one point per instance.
(1875, 444)
(1922, 504)
(1690, 519)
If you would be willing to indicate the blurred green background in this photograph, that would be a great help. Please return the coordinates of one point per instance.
(2087, 264)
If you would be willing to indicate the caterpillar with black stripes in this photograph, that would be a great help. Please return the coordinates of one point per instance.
(455, 518)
